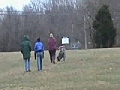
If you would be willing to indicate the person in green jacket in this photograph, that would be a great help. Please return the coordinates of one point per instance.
(26, 52)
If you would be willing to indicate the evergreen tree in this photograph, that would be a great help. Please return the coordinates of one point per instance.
(105, 32)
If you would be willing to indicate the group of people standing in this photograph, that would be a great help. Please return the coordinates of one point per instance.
(38, 51)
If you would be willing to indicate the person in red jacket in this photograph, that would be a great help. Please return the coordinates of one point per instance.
(52, 48)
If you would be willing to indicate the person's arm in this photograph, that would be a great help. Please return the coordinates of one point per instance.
(43, 47)
(30, 46)
(35, 51)
(21, 48)
(55, 41)
(35, 48)
(43, 50)
(48, 43)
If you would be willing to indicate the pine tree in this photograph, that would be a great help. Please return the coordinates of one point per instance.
(105, 32)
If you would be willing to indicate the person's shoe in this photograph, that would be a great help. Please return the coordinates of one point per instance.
(53, 62)
(29, 70)
(39, 69)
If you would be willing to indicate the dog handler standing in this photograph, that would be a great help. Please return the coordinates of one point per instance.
(52, 48)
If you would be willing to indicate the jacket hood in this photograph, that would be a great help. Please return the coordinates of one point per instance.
(25, 38)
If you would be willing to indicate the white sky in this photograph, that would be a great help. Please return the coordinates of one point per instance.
(17, 4)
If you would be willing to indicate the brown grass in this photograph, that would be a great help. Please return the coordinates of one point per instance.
(82, 70)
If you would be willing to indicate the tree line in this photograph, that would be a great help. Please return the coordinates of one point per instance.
(60, 17)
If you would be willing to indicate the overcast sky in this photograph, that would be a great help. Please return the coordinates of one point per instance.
(17, 4)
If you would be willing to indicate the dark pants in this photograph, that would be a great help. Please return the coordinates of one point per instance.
(52, 55)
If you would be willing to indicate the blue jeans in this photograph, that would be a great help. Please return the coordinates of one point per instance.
(27, 64)
(39, 60)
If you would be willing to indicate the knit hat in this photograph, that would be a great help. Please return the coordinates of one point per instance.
(38, 39)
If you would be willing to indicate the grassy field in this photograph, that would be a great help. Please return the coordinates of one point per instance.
(82, 70)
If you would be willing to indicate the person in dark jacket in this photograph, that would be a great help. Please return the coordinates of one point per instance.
(52, 48)
(26, 52)
(39, 53)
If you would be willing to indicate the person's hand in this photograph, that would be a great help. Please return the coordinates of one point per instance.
(35, 56)
(57, 48)
(21, 52)
(43, 55)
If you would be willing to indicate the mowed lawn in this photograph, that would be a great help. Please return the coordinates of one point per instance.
(83, 70)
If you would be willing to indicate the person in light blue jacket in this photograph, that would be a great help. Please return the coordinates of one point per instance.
(39, 53)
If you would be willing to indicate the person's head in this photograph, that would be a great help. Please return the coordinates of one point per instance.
(25, 38)
(38, 40)
(51, 35)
